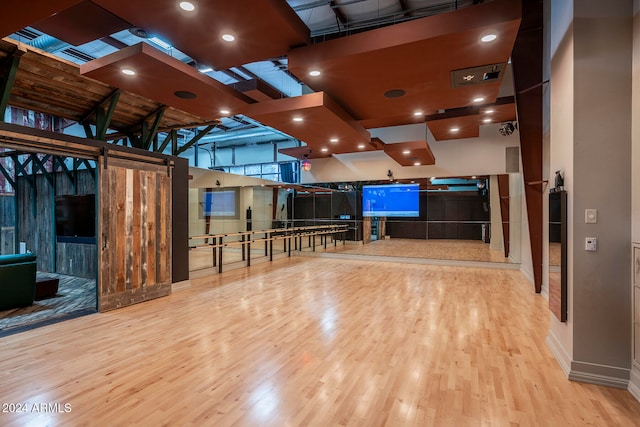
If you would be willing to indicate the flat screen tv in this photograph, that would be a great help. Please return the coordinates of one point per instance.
(76, 215)
(220, 203)
(391, 200)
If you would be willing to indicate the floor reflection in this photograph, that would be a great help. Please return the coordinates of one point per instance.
(440, 249)
(458, 250)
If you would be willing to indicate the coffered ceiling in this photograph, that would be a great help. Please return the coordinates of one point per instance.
(375, 63)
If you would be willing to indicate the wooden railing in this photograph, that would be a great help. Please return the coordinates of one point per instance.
(291, 238)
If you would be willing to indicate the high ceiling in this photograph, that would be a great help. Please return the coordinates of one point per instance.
(379, 63)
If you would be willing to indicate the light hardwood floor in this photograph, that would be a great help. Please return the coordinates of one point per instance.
(311, 342)
(439, 249)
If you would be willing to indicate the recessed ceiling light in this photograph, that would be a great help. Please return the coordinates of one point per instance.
(228, 37)
(297, 119)
(128, 72)
(314, 73)
(489, 38)
(406, 152)
(416, 164)
(417, 113)
(361, 146)
(224, 111)
(333, 140)
(188, 6)
(478, 99)
(489, 111)
(487, 120)
(413, 182)
(473, 177)
(324, 149)
(455, 129)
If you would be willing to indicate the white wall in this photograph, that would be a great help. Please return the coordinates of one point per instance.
(561, 154)
(634, 382)
(253, 192)
(591, 141)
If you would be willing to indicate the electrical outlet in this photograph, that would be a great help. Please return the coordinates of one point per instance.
(590, 244)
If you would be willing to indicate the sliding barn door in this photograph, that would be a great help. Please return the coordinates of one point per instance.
(135, 233)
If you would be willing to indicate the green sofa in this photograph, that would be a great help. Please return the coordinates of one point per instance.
(17, 280)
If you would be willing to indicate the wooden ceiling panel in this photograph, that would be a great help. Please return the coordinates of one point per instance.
(17, 15)
(322, 120)
(166, 80)
(53, 86)
(263, 29)
(469, 125)
(81, 23)
(411, 153)
(416, 57)
(444, 129)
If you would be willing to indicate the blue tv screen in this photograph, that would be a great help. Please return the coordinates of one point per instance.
(392, 200)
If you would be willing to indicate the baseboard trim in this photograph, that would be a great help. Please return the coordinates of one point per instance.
(608, 376)
(181, 286)
(634, 384)
(528, 274)
(562, 357)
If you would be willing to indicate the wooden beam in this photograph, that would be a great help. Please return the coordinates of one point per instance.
(60, 160)
(172, 136)
(503, 192)
(8, 70)
(527, 75)
(103, 116)
(8, 177)
(39, 164)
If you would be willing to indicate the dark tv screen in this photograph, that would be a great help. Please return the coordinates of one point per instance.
(392, 200)
(76, 215)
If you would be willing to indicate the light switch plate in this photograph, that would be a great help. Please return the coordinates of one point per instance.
(591, 216)
(590, 244)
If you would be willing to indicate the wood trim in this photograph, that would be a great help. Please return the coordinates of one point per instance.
(503, 192)
(527, 74)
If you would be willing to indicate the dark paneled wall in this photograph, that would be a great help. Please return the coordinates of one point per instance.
(7, 223)
(318, 209)
(7, 210)
(442, 215)
(36, 224)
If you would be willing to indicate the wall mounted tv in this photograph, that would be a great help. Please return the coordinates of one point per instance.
(391, 200)
(76, 217)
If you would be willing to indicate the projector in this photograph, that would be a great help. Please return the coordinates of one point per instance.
(507, 129)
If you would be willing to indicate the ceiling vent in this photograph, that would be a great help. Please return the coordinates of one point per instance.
(27, 34)
(477, 75)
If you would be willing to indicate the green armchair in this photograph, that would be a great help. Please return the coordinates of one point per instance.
(17, 280)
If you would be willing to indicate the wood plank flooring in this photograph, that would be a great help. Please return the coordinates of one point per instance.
(440, 249)
(310, 342)
(458, 250)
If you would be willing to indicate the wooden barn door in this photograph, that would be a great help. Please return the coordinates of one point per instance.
(135, 233)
